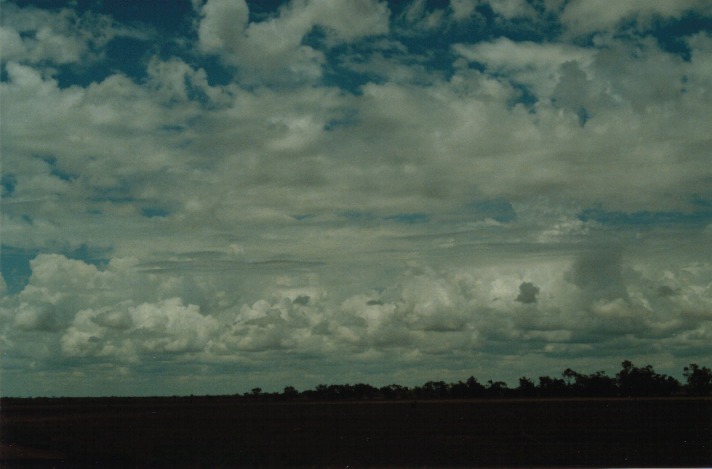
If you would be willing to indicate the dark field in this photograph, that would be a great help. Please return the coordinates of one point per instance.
(227, 432)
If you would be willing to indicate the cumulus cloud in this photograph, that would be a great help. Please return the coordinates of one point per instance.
(222, 25)
(273, 48)
(120, 313)
(462, 9)
(533, 64)
(512, 8)
(58, 37)
(323, 180)
(582, 17)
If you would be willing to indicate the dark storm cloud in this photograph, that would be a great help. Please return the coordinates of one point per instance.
(527, 293)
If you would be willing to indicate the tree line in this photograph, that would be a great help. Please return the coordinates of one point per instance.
(630, 381)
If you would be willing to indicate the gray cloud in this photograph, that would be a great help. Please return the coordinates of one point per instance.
(600, 272)
(310, 187)
(527, 293)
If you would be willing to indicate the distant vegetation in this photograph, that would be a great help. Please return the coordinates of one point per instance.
(630, 381)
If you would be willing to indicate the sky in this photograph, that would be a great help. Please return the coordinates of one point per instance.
(202, 197)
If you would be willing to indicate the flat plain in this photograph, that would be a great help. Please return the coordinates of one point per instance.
(235, 432)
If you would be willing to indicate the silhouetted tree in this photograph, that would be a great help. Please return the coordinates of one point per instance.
(597, 385)
(459, 390)
(433, 390)
(321, 392)
(364, 391)
(290, 392)
(552, 387)
(629, 381)
(569, 377)
(474, 388)
(496, 388)
(699, 379)
(639, 382)
(395, 391)
(526, 387)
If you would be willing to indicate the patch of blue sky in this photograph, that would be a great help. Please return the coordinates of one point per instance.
(547, 28)
(155, 212)
(356, 215)
(95, 255)
(347, 119)
(261, 10)
(130, 55)
(583, 115)
(699, 201)
(409, 218)
(55, 170)
(113, 198)
(335, 74)
(429, 48)
(8, 182)
(115, 195)
(15, 266)
(173, 128)
(646, 218)
(524, 97)
(50, 4)
(498, 209)
(672, 32)
(120, 194)
(125, 55)
(169, 16)
(217, 73)
(16, 269)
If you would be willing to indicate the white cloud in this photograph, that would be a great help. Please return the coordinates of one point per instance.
(462, 9)
(416, 17)
(222, 25)
(347, 20)
(584, 17)
(400, 216)
(272, 49)
(59, 37)
(146, 329)
(529, 63)
(120, 313)
(512, 8)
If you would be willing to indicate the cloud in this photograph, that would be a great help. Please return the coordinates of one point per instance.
(512, 8)
(599, 272)
(527, 293)
(665, 291)
(533, 64)
(324, 183)
(582, 17)
(58, 37)
(222, 25)
(148, 328)
(273, 49)
(462, 9)
(120, 313)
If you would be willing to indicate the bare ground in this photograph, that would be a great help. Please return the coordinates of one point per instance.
(228, 432)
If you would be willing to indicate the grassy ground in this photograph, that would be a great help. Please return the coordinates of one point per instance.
(214, 432)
